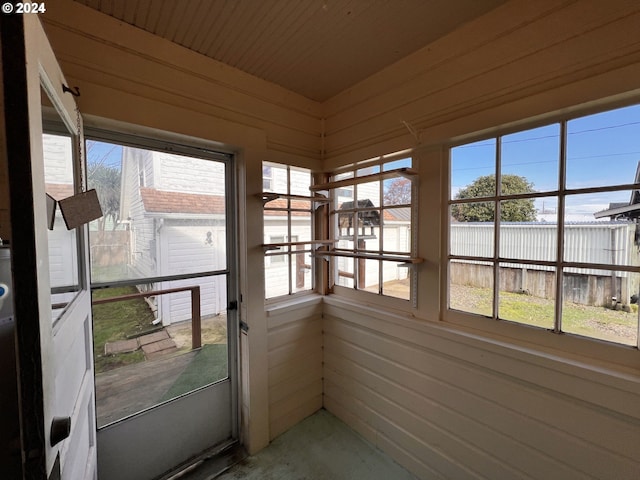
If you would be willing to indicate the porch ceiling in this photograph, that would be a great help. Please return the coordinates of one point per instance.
(316, 48)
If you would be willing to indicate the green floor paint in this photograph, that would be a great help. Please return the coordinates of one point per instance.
(320, 447)
(208, 366)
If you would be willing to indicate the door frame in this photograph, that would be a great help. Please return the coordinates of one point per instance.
(111, 448)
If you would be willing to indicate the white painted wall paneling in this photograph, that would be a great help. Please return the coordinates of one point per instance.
(295, 364)
(467, 410)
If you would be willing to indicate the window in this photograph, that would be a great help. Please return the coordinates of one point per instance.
(288, 228)
(371, 221)
(64, 263)
(543, 227)
(267, 179)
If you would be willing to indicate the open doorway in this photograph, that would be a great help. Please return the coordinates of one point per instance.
(162, 277)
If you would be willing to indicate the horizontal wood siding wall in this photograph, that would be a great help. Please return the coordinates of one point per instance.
(124, 72)
(295, 365)
(521, 60)
(447, 405)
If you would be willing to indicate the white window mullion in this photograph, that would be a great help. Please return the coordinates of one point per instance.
(557, 325)
(496, 231)
(288, 239)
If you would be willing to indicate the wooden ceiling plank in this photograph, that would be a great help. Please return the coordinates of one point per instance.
(106, 6)
(153, 18)
(269, 51)
(141, 13)
(242, 45)
(167, 12)
(235, 33)
(317, 32)
(129, 11)
(183, 16)
(224, 16)
(203, 30)
(270, 10)
(95, 4)
(340, 18)
(118, 8)
(316, 48)
(188, 36)
(287, 44)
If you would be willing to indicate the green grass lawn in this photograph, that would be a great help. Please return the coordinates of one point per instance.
(118, 321)
(594, 322)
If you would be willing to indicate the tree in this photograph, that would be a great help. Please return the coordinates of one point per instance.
(518, 210)
(397, 192)
(105, 178)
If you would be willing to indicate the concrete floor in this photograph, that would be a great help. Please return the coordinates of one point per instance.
(320, 447)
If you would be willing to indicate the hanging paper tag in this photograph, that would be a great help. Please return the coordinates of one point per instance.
(80, 209)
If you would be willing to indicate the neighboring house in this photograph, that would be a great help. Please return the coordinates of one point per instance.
(276, 231)
(624, 211)
(174, 208)
(396, 232)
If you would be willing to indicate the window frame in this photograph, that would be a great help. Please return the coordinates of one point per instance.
(519, 333)
(287, 233)
(350, 172)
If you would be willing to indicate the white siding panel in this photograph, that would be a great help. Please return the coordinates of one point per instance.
(295, 364)
(186, 174)
(445, 420)
(293, 412)
(468, 415)
(58, 165)
(184, 250)
(143, 249)
(187, 249)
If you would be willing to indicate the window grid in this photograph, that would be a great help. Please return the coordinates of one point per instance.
(288, 266)
(561, 266)
(365, 223)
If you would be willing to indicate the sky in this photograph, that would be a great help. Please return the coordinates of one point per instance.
(108, 153)
(602, 150)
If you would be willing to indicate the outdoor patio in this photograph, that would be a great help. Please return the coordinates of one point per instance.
(170, 368)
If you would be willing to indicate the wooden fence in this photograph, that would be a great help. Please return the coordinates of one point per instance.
(584, 289)
(110, 248)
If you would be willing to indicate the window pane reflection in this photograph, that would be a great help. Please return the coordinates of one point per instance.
(63, 243)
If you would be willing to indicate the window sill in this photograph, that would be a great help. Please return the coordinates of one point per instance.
(285, 305)
(586, 352)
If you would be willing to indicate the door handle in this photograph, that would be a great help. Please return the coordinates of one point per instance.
(60, 429)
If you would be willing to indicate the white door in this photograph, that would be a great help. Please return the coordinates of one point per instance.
(52, 317)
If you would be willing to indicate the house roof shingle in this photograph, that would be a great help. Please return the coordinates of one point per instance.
(160, 201)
